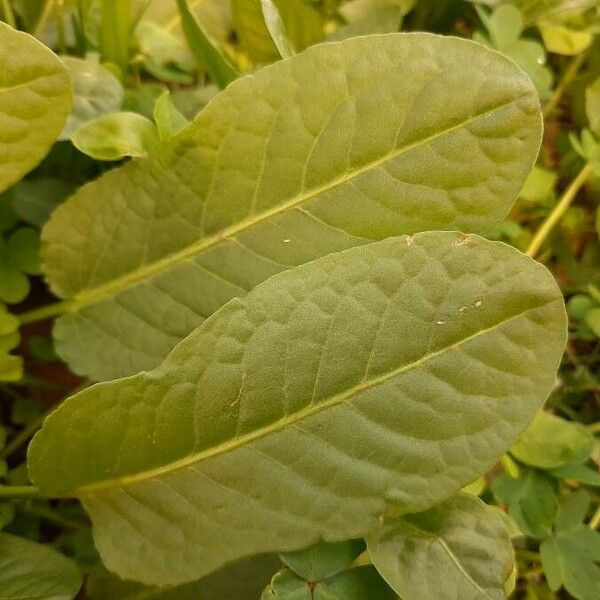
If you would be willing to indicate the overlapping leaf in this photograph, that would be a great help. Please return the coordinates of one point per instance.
(35, 100)
(392, 373)
(343, 144)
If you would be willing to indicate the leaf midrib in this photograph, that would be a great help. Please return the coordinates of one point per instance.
(288, 421)
(119, 284)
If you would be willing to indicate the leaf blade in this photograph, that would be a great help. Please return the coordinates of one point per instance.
(198, 434)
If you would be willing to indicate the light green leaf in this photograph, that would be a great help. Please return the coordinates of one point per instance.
(276, 28)
(552, 442)
(96, 92)
(35, 99)
(168, 119)
(531, 501)
(457, 550)
(30, 571)
(592, 320)
(281, 168)
(205, 51)
(115, 136)
(564, 40)
(243, 580)
(323, 560)
(303, 26)
(245, 426)
(286, 585)
(592, 105)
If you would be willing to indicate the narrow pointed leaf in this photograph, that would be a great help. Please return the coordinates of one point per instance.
(206, 53)
(458, 550)
(340, 145)
(392, 373)
(276, 28)
(35, 100)
(30, 571)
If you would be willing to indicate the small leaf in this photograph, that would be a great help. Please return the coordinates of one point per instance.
(458, 549)
(579, 473)
(30, 571)
(572, 511)
(531, 501)
(35, 99)
(323, 560)
(286, 585)
(35, 199)
(552, 442)
(297, 399)
(23, 250)
(115, 136)
(168, 119)
(96, 92)
(206, 53)
(592, 105)
(564, 40)
(578, 305)
(592, 320)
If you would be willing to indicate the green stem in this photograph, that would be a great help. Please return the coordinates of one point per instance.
(43, 20)
(20, 492)
(49, 515)
(559, 210)
(45, 312)
(565, 82)
(115, 33)
(22, 437)
(9, 15)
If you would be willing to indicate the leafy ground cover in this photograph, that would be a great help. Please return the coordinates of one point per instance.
(299, 299)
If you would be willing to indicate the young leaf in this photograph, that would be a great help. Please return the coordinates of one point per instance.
(456, 550)
(395, 372)
(30, 571)
(323, 560)
(168, 119)
(531, 501)
(551, 442)
(96, 92)
(206, 53)
(340, 145)
(35, 99)
(115, 136)
(244, 580)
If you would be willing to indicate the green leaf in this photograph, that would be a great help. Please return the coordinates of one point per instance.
(96, 92)
(115, 136)
(35, 99)
(592, 105)
(564, 40)
(457, 550)
(552, 442)
(30, 571)
(372, 16)
(245, 425)
(204, 50)
(577, 472)
(276, 28)
(531, 501)
(571, 555)
(168, 119)
(323, 560)
(23, 250)
(243, 580)
(362, 583)
(303, 27)
(35, 199)
(592, 320)
(578, 305)
(281, 168)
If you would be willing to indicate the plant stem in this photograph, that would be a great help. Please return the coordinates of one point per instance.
(43, 20)
(22, 437)
(559, 210)
(49, 515)
(564, 83)
(9, 15)
(115, 33)
(45, 312)
(20, 491)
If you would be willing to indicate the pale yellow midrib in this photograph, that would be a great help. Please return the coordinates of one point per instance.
(119, 284)
(237, 442)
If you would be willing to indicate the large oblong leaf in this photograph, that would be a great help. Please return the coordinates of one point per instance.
(35, 100)
(392, 373)
(458, 550)
(30, 571)
(343, 144)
